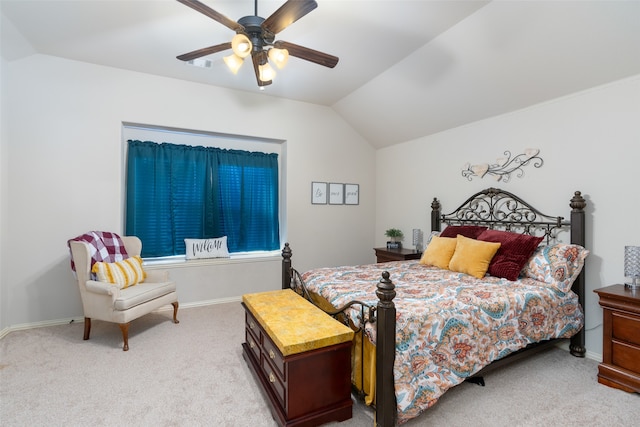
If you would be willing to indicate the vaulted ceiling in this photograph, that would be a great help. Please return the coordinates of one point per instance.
(408, 68)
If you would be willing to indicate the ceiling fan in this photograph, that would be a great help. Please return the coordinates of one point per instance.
(255, 36)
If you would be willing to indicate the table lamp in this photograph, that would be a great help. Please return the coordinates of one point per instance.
(632, 266)
(417, 239)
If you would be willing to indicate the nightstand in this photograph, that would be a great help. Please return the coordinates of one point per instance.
(620, 367)
(386, 255)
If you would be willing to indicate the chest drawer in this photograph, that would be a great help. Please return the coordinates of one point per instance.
(252, 324)
(626, 327)
(276, 384)
(253, 343)
(275, 358)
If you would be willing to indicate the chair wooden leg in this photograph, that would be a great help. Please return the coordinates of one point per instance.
(124, 327)
(87, 327)
(175, 312)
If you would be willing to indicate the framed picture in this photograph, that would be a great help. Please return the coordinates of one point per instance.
(336, 194)
(319, 193)
(351, 194)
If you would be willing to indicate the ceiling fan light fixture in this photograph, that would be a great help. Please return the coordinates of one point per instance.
(255, 36)
(234, 62)
(241, 45)
(267, 73)
(279, 57)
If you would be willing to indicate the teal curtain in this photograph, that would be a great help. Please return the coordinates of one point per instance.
(179, 191)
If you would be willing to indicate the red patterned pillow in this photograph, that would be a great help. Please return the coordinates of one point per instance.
(515, 250)
(470, 231)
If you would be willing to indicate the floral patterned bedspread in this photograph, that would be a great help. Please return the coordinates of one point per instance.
(449, 325)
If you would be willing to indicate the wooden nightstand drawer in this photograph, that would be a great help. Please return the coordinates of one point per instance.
(626, 328)
(625, 355)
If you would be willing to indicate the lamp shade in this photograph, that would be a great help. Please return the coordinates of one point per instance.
(241, 45)
(234, 62)
(417, 239)
(266, 72)
(632, 265)
(279, 57)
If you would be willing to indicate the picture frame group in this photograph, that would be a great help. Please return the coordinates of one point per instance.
(333, 193)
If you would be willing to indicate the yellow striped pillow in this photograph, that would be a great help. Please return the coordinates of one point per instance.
(122, 273)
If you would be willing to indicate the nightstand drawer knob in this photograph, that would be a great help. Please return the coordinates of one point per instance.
(272, 354)
(272, 378)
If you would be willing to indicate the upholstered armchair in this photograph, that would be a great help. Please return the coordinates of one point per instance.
(107, 302)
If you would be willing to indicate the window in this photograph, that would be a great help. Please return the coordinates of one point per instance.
(175, 192)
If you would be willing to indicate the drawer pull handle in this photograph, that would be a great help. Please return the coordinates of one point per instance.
(272, 377)
(272, 354)
(252, 344)
(252, 325)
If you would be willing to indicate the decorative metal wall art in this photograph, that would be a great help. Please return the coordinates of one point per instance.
(504, 166)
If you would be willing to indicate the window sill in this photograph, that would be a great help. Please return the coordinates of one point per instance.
(181, 262)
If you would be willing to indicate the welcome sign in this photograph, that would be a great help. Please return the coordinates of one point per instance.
(206, 248)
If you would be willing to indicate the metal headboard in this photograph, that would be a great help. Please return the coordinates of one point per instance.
(499, 209)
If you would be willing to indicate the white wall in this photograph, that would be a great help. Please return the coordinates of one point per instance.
(63, 157)
(3, 191)
(589, 141)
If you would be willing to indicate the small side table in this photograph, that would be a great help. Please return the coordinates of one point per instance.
(620, 367)
(387, 255)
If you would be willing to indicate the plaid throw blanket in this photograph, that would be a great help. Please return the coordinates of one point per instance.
(103, 247)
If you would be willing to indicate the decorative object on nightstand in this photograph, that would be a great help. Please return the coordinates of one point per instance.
(395, 236)
(632, 266)
(620, 367)
(417, 239)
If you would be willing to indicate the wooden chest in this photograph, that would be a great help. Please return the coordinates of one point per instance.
(620, 367)
(300, 356)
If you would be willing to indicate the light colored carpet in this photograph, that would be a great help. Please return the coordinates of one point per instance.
(193, 374)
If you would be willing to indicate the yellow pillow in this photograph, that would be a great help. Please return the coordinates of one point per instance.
(439, 252)
(473, 256)
(122, 273)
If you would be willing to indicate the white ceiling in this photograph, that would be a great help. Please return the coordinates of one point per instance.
(408, 68)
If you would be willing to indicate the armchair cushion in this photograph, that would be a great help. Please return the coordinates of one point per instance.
(141, 293)
(123, 274)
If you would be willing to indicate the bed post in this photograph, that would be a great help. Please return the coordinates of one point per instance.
(286, 266)
(385, 353)
(435, 215)
(578, 203)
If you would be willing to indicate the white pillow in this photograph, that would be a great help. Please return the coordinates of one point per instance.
(206, 248)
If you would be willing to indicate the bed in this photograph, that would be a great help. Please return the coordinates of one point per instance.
(496, 282)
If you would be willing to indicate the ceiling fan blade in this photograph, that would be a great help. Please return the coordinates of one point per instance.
(216, 16)
(259, 58)
(287, 14)
(204, 51)
(308, 54)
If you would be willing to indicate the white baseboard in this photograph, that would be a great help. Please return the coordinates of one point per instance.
(24, 326)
